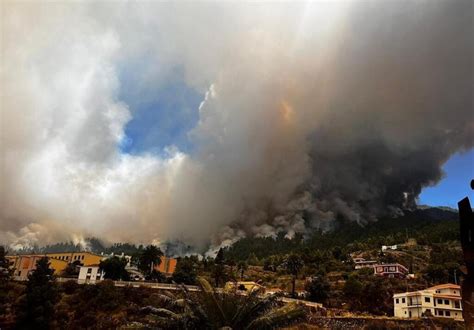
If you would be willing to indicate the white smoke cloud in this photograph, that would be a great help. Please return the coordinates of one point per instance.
(310, 111)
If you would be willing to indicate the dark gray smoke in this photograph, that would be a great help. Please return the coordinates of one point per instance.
(311, 110)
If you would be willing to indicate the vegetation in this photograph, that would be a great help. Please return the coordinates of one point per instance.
(319, 265)
(5, 273)
(114, 269)
(293, 265)
(148, 258)
(186, 270)
(35, 309)
(212, 310)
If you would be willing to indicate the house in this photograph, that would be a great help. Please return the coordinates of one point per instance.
(391, 270)
(439, 301)
(90, 274)
(360, 263)
(389, 247)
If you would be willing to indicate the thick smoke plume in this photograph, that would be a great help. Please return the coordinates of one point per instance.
(310, 111)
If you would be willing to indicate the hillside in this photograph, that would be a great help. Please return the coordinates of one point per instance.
(427, 226)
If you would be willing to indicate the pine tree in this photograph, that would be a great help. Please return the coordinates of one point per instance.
(36, 309)
(218, 271)
(5, 273)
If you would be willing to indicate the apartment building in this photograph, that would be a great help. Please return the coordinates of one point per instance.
(360, 263)
(439, 301)
(22, 265)
(391, 270)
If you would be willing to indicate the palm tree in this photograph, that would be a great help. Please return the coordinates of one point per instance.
(293, 265)
(242, 267)
(210, 309)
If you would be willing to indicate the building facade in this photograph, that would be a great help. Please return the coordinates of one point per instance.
(90, 274)
(391, 270)
(22, 265)
(360, 263)
(167, 265)
(439, 301)
(83, 258)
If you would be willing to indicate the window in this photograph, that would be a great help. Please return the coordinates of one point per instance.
(82, 257)
(448, 313)
(440, 313)
(409, 314)
(403, 300)
(427, 299)
(89, 270)
(440, 301)
(456, 304)
(396, 301)
(446, 301)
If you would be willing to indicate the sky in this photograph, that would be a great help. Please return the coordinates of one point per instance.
(459, 171)
(207, 122)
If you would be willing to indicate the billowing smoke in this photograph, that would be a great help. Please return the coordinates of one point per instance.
(310, 111)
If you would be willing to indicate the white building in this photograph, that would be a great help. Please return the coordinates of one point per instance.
(360, 263)
(440, 301)
(90, 274)
(389, 247)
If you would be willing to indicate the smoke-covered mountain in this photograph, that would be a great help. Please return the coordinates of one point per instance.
(429, 224)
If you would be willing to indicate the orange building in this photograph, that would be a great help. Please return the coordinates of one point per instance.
(23, 264)
(84, 258)
(167, 265)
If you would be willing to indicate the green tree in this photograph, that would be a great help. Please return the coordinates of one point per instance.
(156, 276)
(376, 297)
(5, 274)
(352, 291)
(71, 269)
(36, 307)
(318, 289)
(114, 269)
(242, 267)
(149, 258)
(218, 270)
(186, 271)
(293, 265)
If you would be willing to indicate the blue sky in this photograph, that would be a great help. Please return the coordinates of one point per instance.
(455, 185)
(161, 116)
